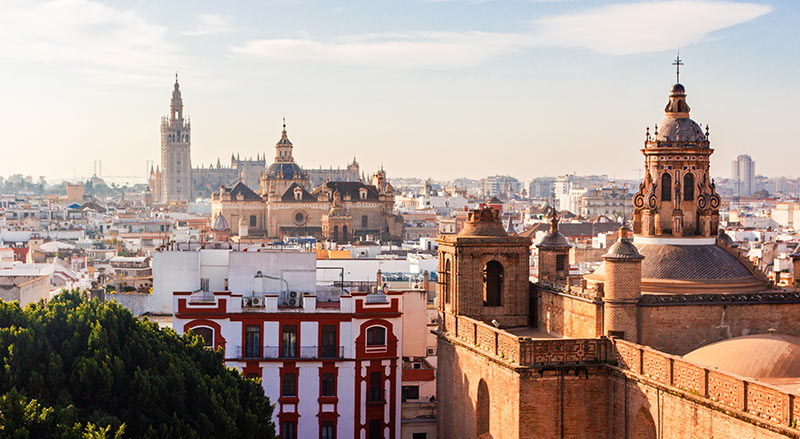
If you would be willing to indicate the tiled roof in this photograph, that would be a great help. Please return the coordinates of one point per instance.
(246, 192)
(285, 171)
(288, 194)
(690, 262)
(352, 188)
(574, 230)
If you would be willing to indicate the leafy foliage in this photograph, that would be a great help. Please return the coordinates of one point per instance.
(78, 368)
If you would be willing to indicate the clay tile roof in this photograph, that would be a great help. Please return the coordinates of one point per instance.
(352, 188)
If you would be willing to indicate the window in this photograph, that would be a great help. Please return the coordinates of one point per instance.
(376, 336)
(419, 436)
(483, 405)
(252, 341)
(328, 431)
(446, 281)
(330, 347)
(328, 385)
(345, 238)
(561, 262)
(364, 220)
(688, 187)
(204, 285)
(289, 386)
(288, 430)
(666, 187)
(410, 392)
(207, 334)
(289, 341)
(375, 429)
(375, 387)
(252, 220)
(492, 284)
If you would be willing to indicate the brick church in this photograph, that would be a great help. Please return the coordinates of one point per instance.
(675, 335)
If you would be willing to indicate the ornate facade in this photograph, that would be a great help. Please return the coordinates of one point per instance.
(288, 205)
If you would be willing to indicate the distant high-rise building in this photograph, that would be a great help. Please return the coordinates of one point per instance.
(176, 162)
(743, 173)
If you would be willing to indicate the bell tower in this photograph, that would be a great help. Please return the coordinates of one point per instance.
(484, 272)
(677, 197)
(176, 160)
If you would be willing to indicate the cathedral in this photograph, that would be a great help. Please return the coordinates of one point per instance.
(172, 181)
(675, 335)
(288, 203)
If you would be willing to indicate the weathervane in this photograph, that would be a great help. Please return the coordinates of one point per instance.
(678, 63)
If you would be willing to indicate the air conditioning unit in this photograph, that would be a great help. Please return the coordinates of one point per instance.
(293, 301)
(248, 301)
(258, 301)
(293, 295)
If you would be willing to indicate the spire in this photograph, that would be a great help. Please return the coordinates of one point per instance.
(176, 104)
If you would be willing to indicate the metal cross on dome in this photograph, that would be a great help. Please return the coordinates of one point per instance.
(678, 63)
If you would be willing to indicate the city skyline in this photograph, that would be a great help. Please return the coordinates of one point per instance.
(469, 78)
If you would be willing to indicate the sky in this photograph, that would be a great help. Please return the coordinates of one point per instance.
(425, 88)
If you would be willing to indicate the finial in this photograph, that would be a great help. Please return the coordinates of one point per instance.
(678, 63)
(554, 222)
(656, 127)
(707, 133)
(647, 133)
(284, 123)
(176, 76)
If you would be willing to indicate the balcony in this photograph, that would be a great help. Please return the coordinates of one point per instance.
(303, 353)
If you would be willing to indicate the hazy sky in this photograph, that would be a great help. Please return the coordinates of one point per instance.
(426, 88)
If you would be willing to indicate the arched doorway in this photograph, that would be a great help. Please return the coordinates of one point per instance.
(482, 410)
(643, 425)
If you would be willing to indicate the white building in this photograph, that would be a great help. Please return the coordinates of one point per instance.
(332, 361)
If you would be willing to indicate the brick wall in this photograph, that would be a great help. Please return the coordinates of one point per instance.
(680, 329)
(568, 316)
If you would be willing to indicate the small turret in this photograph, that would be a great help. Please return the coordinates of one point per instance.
(622, 288)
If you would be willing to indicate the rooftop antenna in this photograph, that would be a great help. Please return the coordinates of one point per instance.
(678, 63)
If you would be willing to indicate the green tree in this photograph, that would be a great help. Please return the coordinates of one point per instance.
(79, 368)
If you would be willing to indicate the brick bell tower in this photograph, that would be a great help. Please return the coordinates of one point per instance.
(484, 272)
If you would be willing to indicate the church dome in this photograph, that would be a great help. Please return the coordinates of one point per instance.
(677, 129)
(680, 130)
(284, 171)
(554, 239)
(623, 249)
(752, 356)
(483, 222)
(220, 224)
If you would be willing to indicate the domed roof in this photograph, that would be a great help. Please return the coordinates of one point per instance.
(483, 222)
(677, 127)
(753, 356)
(680, 130)
(220, 224)
(623, 248)
(284, 171)
(554, 239)
(691, 262)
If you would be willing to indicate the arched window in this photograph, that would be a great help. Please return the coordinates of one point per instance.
(335, 233)
(666, 187)
(688, 187)
(446, 281)
(493, 284)
(376, 336)
(482, 408)
(344, 234)
(207, 334)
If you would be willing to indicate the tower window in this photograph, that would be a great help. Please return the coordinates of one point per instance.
(561, 262)
(666, 187)
(364, 220)
(252, 220)
(688, 187)
(492, 284)
(446, 281)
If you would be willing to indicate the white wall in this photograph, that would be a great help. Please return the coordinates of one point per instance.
(297, 269)
(173, 271)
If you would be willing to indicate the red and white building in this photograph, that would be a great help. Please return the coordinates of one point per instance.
(332, 361)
